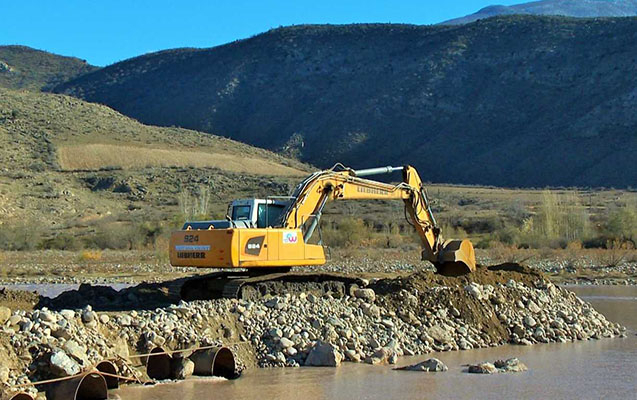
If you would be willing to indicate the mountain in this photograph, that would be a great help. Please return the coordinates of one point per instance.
(568, 8)
(26, 68)
(507, 101)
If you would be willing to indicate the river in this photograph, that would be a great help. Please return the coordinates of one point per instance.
(592, 369)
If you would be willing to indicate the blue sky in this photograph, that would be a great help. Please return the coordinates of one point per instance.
(104, 32)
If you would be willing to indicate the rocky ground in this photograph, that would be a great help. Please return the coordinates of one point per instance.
(132, 267)
(373, 322)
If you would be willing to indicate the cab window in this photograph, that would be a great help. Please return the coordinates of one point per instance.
(271, 218)
(240, 213)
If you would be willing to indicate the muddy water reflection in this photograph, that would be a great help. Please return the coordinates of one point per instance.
(585, 370)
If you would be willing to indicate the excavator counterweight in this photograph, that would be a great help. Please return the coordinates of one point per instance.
(275, 233)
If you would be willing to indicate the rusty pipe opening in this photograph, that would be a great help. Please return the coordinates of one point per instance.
(90, 386)
(158, 364)
(218, 361)
(109, 368)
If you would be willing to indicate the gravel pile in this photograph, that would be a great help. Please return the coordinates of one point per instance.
(374, 324)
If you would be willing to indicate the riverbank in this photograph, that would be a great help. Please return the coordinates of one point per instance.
(375, 324)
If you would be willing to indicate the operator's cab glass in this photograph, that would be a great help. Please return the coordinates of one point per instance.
(268, 215)
(241, 213)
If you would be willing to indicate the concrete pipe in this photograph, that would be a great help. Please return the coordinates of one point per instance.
(218, 361)
(109, 368)
(90, 386)
(16, 396)
(158, 364)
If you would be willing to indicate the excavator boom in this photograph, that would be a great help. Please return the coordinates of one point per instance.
(286, 242)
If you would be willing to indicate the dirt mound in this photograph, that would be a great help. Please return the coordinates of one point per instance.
(104, 298)
(18, 299)
(431, 291)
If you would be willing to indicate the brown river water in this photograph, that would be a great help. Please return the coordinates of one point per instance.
(592, 369)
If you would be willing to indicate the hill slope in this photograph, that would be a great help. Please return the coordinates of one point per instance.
(513, 101)
(26, 68)
(65, 162)
(568, 8)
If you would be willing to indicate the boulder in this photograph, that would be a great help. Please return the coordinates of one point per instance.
(323, 355)
(285, 343)
(63, 365)
(440, 334)
(510, 365)
(73, 349)
(5, 314)
(429, 365)
(366, 294)
(482, 368)
(182, 368)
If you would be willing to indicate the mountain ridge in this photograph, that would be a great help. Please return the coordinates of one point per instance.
(567, 8)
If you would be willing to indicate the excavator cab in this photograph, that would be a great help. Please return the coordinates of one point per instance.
(245, 213)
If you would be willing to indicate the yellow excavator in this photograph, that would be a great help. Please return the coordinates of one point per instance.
(271, 235)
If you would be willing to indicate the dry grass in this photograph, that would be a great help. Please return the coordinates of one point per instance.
(96, 156)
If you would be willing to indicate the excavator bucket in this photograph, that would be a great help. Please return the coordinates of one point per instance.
(457, 258)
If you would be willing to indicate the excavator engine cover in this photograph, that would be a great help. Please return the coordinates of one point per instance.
(457, 258)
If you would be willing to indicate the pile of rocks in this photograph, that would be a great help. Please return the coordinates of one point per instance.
(305, 329)
(510, 365)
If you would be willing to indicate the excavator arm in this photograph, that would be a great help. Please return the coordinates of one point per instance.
(452, 257)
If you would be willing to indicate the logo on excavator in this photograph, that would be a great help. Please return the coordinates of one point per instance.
(290, 237)
(253, 245)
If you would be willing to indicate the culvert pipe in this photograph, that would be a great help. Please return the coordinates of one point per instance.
(16, 396)
(217, 361)
(158, 364)
(90, 386)
(107, 367)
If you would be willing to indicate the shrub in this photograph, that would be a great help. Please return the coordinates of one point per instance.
(115, 237)
(90, 255)
(345, 232)
(61, 241)
(24, 236)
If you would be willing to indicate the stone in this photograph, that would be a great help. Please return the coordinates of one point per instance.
(73, 349)
(88, 316)
(285, 343)
(63, 365)
(182, 368)
(429, 365)
(482, 368)
(440, 334)
(474, 290)
(366, 294)
(534, 308)
(510, 365)
(529, 321)
(4, 374)
(68, 314)
(5, 314)
(323, 355)
(371, 310)
(387, 323)
(61, 333)
(351, 355)
(104, 318)
(125, 320)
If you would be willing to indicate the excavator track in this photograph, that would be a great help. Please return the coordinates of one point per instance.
(247, 286)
